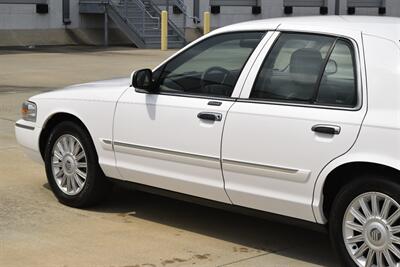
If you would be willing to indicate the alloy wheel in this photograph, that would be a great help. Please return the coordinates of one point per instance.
(69, 164)
(371, 230)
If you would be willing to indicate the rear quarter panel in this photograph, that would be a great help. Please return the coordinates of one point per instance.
(379, 137)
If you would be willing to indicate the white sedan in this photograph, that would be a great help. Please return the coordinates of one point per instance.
(298, 117)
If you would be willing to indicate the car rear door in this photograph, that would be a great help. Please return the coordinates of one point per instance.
(300, 108)
(172, 138)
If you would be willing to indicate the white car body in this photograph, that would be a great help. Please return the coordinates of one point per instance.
(157, 140)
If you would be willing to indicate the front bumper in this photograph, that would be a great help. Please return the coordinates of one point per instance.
(27, 134)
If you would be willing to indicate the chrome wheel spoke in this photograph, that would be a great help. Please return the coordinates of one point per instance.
(63, 180)
(78, 180)
(355, 239)
(358, 215)
(58, 155)
(81, 174)
(60, 149)
(76, 149)
(361, 250)
(389, 258)
(69, 186)
(80, 156)
(73, 184)
(394, 217)
(374, 205)
(379, 258)
(82, 165)
(370, 258)
(394, 250)
(69, 164)
(395, 239)
(385, 209)
(59, 174)
(64, 144)
(365, 209)
(354, 226)
(395, 229)
(57, 164)
(71, 143)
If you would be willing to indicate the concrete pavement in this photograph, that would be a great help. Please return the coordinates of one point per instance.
(130, 228)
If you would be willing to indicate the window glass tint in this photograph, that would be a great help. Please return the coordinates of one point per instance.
(297, 70)
(292, 68)
(338, 83)
(211, 67)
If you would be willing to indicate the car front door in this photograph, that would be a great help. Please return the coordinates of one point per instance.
(301, 107)
(171, 139)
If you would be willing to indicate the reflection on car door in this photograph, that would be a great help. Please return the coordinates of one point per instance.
(172, 139)
(301, 109)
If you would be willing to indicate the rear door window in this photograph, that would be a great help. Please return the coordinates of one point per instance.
(310, 69)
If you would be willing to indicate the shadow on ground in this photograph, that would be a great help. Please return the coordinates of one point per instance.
(245, 231)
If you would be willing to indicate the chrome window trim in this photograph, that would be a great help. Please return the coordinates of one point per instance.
(294, 175)
(160, 150)
(209, 97)
(256, 165)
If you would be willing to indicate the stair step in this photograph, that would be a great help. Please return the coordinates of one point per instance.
(170, 46)
(146, 25)
(158, 42)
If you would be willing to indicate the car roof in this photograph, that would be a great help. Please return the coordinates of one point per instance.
(385, 27)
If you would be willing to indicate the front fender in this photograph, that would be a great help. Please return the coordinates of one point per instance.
(96, 116)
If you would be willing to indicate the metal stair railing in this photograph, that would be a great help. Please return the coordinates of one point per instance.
(182, 6)
(132, 31)
(150, 16)
(180, 32)
(138, 20)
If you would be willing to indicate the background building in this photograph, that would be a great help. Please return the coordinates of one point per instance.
(137, 22)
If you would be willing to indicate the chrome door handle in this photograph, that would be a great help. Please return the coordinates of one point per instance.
(326, 129)
(210, 116)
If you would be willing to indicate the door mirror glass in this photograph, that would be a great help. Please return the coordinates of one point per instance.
(143, 80)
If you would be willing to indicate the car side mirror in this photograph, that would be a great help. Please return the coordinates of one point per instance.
(331, 67)
(143, 80)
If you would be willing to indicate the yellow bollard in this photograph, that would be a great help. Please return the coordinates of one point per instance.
(164, 30)
(206, 18)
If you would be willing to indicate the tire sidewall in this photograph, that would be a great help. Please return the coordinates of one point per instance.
(367, 183)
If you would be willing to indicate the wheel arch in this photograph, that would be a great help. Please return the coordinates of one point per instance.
(343, 174)
(52, 121)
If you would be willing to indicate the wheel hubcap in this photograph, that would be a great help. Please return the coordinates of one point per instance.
(371, 230)
(377, 234)
(69, 164)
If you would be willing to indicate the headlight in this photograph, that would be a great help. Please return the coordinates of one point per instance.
(29, 111)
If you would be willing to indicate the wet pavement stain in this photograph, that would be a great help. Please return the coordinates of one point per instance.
(172, 261)
(202, 256)
(205, 256)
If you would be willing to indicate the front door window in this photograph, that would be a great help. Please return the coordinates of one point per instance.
(210, 67)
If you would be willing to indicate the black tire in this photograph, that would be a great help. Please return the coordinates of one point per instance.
(363, 184)
(96, 184)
